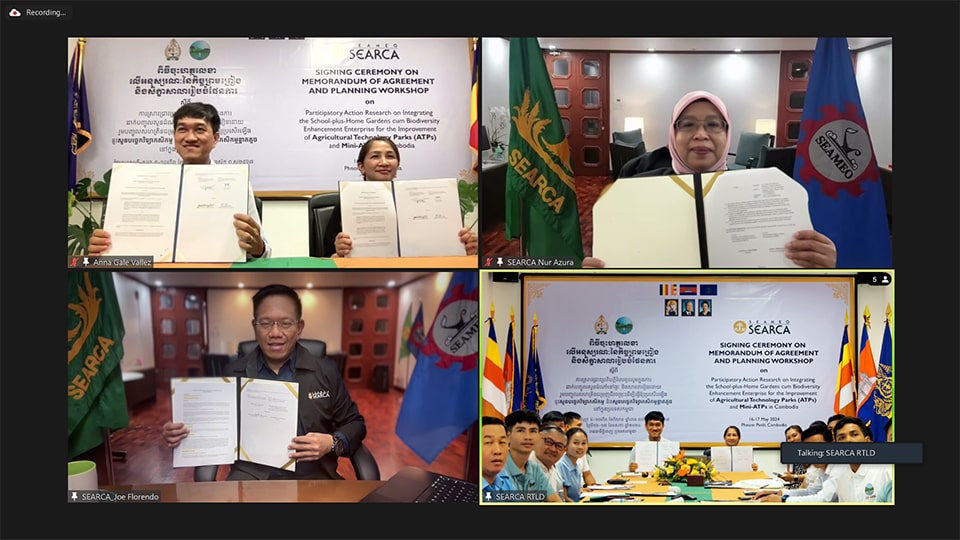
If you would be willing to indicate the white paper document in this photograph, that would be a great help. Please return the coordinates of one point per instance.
(142, 210)
(268, 412)
(208, 407)
(403, 218)
(749, 215)
(732, 458)
(650, 454)
(369, 216)
(213, 407)
(176, 213)
(428, 217)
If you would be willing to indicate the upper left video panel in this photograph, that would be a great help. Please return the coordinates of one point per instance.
(272, 153)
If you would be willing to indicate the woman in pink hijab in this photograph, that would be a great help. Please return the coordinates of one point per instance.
(699, 140)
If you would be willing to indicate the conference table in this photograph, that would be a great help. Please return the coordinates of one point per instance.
(257, 491)
(650, 486)
(308, 263)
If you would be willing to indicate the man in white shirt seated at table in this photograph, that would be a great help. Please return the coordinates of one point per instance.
(852, 482)
(816, 475)
(553, 444)
(654, 424)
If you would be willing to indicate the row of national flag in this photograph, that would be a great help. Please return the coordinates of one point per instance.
(869, 396)
(835, 162)
(509, 384)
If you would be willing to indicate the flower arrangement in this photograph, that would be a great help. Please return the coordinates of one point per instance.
(679, 467)
(499, 127)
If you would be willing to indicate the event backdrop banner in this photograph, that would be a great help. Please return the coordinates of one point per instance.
(295, 110)
(757, 352)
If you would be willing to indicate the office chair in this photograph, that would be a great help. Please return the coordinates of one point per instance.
(259, 202)
(364, 466)
(213, 364)
(748, 150)
(781, 158)
(321, 208)
(316, 347)
(625, 146)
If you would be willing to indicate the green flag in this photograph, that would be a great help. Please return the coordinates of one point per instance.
(541, 201)
(407, 323)
(95, 394)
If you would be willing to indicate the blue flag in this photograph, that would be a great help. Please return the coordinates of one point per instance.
(442, 398)
(534, 395)
(514, 364)
(78, 129)
(879, 408)
(836, 163)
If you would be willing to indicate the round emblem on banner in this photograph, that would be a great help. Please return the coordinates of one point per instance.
(842, 150)
(624, 325)
(739, 327)
(455, 331)
(199, 50)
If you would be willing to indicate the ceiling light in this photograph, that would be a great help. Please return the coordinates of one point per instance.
(309, 285)
(738, 49)
(240, 285)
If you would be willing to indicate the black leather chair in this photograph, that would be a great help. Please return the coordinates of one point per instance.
(315, 346)
(364, 466)
(626, 146)
(213, 364)
(321, 208)
(748, 150)
(782, 158)
(259, 202)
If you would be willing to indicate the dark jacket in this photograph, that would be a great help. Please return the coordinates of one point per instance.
(325, 407)
(653, 163)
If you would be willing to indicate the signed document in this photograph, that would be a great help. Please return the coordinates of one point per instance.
(749, 215)
(428, 217)
(650, 454)
(176, 213)
(369, 216)
(268, 421)
(732, 458)
(208, 407)
(213, 408)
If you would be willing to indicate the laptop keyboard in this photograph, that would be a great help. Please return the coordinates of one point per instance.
(446, 489)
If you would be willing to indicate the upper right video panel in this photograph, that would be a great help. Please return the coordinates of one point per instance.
(686, 153)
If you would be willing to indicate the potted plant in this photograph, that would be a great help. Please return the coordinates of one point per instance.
(78, 236)
(469, 191)
(499, 131)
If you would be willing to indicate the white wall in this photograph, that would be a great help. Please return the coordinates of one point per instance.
(875, 81)
(229, 312)
(494, 76)
(650, 84)
(134, 300)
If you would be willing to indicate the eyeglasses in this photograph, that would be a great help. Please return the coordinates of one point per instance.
(555, 444)
(266, 326)
(712, 125)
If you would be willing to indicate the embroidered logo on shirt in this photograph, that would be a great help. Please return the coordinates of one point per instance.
(319, 394)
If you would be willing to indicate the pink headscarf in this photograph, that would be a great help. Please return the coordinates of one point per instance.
(678, 165)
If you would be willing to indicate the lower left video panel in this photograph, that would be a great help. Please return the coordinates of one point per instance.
(214, 386)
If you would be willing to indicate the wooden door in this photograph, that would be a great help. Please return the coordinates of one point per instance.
(369, 333)
(581, 84)
(794, 74)
(179, 333)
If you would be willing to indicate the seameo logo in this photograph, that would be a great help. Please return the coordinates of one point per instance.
(840, 154)
(739, 327)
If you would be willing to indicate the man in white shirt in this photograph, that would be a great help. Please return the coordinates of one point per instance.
(653, 423)
(816, 475)
(844, 482)
(196, 131)
(553, 444)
